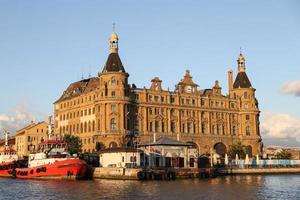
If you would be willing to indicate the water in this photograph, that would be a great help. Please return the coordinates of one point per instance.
(230, 187)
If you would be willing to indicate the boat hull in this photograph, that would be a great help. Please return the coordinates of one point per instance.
(6, 169)
(66, 169)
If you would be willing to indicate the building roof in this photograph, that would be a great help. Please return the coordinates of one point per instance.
(242, 81)
(119, 149)
(167, 142)
(31, 125)
(79, 87)
(113, 64)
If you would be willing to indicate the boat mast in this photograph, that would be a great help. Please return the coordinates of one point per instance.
(49, 127)
(6, 138)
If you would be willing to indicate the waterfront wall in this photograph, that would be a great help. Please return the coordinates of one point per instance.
(282, 170)
(116, 173)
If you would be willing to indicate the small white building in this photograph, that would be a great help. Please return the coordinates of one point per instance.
(170, 153)
(120, 157)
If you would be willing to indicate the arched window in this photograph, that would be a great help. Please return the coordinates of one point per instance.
(247, 130)
(112, 145)
(113, 125)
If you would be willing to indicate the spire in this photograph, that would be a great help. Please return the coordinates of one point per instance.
(113, 62)
(241, 80)
(241, 62)
(113, 41)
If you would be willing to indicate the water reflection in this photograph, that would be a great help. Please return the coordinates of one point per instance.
(229, 187)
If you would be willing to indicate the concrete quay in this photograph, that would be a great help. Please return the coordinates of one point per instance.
(150, 174)
(278, 170)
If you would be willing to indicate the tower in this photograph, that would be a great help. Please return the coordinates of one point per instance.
(244, 93)
(114, 99)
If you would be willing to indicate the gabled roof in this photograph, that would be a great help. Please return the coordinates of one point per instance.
(79, 87)
(166, 141)
(113, 64)
(242, 81)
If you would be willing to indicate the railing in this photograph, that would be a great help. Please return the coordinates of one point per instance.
(263, 163)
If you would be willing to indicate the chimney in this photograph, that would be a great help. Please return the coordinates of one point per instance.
(230, 83)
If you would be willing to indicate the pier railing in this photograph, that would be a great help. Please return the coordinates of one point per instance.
(263, 163)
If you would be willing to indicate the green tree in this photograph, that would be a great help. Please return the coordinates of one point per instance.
(283, 154)
(73, 144)
(237, 148)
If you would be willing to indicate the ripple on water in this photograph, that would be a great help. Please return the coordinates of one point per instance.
(230, 187)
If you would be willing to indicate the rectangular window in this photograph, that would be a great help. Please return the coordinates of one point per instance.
(162, 99)
(173, 128)
(172, 99)
(156, 98)
(113, 93)
(113, 108)
(150, 126)
(247, 117)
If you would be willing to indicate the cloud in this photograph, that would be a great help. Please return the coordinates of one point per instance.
(19, 117)
(292, 87)
(4, 118)
(280, 126)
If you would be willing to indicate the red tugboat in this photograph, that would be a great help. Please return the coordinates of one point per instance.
(52, 162)
(8, 158)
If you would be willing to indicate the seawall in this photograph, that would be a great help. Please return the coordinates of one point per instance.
(281, 170)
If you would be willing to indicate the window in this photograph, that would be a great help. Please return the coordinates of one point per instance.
(156, 126)
(173, 128)
(113, 93)
(132, 158)
(113, 125)
(113, 108)
(150, 98)
(247, 130)
(156, 98)
(172, 99)
(113, 81)
(150, 126)
(162, 99)
(234, 130)
(156, 110)
(247, 117)
(192, 162)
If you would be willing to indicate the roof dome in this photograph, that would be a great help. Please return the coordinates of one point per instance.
(114, 36)
(241, 57)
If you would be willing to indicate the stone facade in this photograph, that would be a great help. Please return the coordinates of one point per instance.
(106, 111)
(28, 138)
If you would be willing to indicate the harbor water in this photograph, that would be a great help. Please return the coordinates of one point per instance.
(226, 187)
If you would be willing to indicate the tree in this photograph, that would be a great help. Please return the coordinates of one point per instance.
(73, 143)
(237, 148)
(283, 154)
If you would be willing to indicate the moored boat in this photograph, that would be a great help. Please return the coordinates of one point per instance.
(52, 162)
(8, 158)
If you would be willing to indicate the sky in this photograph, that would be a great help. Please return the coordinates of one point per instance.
(46, 45)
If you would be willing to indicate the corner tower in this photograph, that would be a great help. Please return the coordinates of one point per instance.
(113, 98)
(248, 106)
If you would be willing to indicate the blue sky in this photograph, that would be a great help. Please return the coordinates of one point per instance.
(46, 45)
